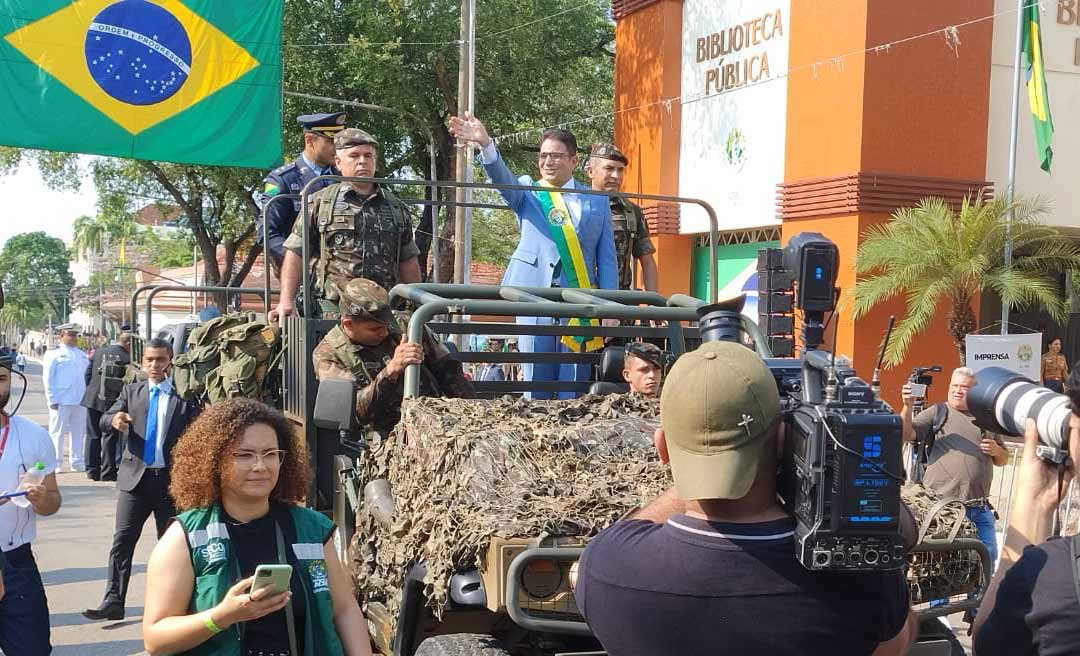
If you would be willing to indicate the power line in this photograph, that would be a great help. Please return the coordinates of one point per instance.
(949, 32)
(455, 42)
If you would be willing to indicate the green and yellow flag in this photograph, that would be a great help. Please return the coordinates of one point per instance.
(193, 81)
(1036, 85)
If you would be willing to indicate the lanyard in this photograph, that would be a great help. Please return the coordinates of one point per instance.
(290, 619)
(3, 440)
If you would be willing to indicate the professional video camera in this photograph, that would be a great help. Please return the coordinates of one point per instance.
(1003, 400)
(843, 445)
(916, 457)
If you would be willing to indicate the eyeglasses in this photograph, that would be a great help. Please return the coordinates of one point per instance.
(248, 459)
(554, 157)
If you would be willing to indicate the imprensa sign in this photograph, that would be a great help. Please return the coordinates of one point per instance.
(734, 110)
(1017, 353)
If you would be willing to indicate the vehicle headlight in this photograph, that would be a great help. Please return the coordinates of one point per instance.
(542, 578)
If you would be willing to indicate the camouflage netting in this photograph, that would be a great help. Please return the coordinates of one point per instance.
(462, 471)
(940, 574)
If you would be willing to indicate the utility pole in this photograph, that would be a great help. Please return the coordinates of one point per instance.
(1013, 122)
(195, 274)
(463, 168)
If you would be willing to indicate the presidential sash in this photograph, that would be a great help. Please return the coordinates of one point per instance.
(566, 241)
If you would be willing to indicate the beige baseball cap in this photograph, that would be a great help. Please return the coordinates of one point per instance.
(718, 408)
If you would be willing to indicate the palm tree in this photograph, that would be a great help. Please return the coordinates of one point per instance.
(90, 237)
(931, 253)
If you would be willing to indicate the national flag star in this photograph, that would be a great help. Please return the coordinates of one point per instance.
(97, 38)
(137, 75)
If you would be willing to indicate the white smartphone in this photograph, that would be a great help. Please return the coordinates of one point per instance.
(274, 577)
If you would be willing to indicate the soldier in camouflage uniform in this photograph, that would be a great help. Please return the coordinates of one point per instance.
(367, 347)
(606, 167)
(316, 160)
(354, 231)
(643, 368)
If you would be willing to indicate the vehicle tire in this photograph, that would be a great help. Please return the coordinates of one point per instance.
(461, 644)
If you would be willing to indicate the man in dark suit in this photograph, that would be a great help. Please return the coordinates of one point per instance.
(101, 393)
(154, 418)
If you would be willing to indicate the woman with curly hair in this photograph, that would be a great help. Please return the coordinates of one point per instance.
(239, 475)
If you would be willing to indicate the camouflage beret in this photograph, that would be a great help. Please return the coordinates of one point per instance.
(350, 137)
(648, 352)
(608, 151)
(365, 299)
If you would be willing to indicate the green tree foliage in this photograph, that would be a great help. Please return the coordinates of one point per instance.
(931, 254)
(555, 67)
(538, 63)
(35, 275)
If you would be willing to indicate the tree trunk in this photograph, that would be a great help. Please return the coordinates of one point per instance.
(961, 321)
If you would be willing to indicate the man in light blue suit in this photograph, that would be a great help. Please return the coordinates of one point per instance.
(536, 261)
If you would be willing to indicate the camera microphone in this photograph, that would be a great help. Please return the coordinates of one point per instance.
(875, 382)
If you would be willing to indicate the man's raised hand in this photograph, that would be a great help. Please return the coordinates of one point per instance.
(468, 128)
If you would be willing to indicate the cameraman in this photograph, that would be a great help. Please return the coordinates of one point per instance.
(710, 566)
(961, 455)
(1031, 606)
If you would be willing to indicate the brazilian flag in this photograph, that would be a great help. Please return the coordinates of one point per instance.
(1035, 75)
(192, 81)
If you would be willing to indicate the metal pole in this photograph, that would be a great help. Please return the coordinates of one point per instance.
(462, 164)
(471, 104)
(1014, 119)
(194, 274)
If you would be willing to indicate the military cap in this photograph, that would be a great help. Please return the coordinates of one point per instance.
(650, 353)
(69, 328)
(350, 137)
(365, 299)
(326, 125)
(718, 408)
(608, 151)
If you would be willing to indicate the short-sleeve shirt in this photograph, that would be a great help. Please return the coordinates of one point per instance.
(364, 237)
(27, 445)
(956, 467)
(693, 587)
(1036, 611)
(631, 238)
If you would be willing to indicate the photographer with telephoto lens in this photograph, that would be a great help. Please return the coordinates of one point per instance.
(962, 455)
(703, 568)
(1033, 603)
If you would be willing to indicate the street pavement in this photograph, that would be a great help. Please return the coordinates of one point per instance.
(72, 551)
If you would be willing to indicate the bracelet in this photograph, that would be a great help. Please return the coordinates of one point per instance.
(208, 622)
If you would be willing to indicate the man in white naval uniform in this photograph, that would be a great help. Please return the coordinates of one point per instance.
(64, 369)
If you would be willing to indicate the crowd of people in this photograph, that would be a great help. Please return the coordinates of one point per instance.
(692, 572)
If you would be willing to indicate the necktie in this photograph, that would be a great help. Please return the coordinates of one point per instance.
(150, 448)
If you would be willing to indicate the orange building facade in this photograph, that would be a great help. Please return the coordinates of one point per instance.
(864, 129)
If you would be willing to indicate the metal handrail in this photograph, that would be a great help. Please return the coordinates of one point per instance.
(156, 289)
(434, 299)
(305, 255)
(431, 305)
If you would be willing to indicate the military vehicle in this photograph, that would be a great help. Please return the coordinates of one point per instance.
(518, 596)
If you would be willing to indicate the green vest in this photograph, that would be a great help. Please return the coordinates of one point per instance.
(215, 568)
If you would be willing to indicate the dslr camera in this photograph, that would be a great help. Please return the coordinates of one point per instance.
(841, 470)
(1002, 401)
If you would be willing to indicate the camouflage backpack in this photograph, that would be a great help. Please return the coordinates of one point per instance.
(192, 368)
(247, 355)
